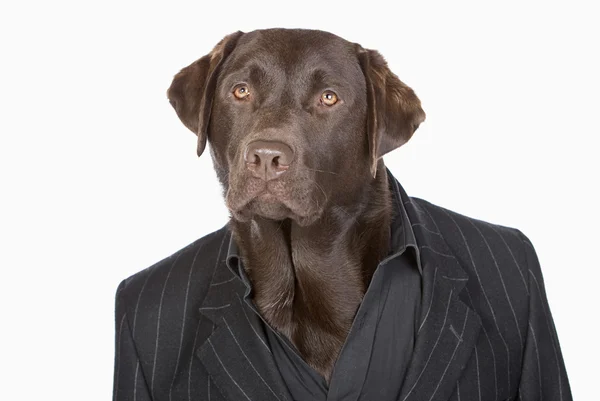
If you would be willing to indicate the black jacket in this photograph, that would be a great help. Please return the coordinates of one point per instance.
(183, 332)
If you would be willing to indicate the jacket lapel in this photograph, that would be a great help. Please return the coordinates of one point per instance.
(448, 328)
(236, 354)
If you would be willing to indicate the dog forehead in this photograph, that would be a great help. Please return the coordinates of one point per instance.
(296, 50)
(289, 39)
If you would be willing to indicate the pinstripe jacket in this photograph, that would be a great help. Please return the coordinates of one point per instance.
(183, 332)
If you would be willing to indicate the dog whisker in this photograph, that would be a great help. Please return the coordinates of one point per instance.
(279, 227)
(341, 209)
(321, 171)
(322, 190)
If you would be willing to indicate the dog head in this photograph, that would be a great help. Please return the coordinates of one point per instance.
(294, 119)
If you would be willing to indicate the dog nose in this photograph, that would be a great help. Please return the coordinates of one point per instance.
(268, 159)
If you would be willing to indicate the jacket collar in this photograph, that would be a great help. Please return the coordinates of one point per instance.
(237, 356)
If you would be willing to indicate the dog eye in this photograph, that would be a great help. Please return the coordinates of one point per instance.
(328, 98)
(241, 92)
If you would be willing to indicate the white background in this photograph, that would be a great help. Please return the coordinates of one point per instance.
(99, 179)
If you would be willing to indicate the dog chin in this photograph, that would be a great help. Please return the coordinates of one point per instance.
(270, 207)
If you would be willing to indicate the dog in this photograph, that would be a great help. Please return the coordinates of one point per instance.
(298, 122)
(324, 249)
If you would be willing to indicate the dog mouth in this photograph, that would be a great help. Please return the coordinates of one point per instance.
(275, 200)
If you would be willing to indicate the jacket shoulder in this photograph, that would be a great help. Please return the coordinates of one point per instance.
(455, 226)
(162, 301)
(191, 266)
(487, 251)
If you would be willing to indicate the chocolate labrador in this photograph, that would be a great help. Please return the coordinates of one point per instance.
(297, 122)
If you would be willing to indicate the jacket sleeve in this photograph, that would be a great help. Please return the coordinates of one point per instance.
(129, 382)
(543, 374)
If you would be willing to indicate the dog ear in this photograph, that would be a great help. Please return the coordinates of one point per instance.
(394, 111)
(192, 90)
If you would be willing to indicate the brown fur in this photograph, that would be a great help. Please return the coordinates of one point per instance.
(310, 255)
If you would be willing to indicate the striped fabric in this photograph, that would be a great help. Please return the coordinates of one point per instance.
(486, 331)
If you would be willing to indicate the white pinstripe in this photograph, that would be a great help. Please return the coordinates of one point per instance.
(514, 260)
(490, 343)
(192, 362)
(549, 332)
(503, 286)
(135, 313)
(455, 278)
(528, 243)
(215, 272)
(199, 322)
(248, 359)
(458, 336)
(187, 290)
(158, 325)
(118, 358)
(438, 233)
(478, 381)
(459, 340)
(137, 369)
(251, 325)
(431, 302)
(484, 294)
(223, 282)
(137, 304)
(214, 307)
(537, 354)
(226, 371)
(432, 349)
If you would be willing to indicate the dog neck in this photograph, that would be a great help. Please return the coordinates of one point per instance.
(308, 282)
